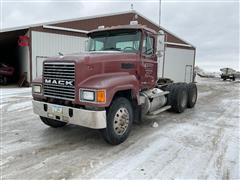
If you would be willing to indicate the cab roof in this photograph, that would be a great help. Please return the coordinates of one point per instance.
(137, 27)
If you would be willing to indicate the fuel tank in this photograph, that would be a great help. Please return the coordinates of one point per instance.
(154, 99)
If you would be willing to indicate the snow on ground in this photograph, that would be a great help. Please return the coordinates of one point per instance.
(15, 98)
(202, 142)
(22, 106)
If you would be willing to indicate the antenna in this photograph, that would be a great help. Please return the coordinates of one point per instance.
(160, 11)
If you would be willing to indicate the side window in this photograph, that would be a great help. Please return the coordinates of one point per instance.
(95, 44)
(148, 45)
(98, 45)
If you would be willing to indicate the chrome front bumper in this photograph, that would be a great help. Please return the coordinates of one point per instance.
(82, 117)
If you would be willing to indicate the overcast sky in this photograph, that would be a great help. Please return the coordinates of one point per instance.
(210, 25)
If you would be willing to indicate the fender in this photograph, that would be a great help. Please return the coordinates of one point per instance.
(112, 83)
(37, 80)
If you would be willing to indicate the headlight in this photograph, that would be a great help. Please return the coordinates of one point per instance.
(37, 89)
(98, 96)
(87, 95)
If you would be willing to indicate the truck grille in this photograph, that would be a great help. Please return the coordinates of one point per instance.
(58, 80)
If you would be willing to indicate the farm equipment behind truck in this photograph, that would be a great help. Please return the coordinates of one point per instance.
(112, 85)
(229, 73)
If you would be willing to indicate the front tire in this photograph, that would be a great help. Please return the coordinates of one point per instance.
(52, 123)
(119, 121)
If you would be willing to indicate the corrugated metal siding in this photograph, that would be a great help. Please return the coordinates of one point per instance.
(177, 63)
(48, 44)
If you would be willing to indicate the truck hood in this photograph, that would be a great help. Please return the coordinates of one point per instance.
(94, 55)
(90, 64)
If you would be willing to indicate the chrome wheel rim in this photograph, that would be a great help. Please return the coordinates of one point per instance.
(121, 121)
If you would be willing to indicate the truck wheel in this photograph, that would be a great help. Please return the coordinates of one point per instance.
(170, 88)
(192, 95)
(177, 97)
(52, 123)
(119, 121)
(5, 80)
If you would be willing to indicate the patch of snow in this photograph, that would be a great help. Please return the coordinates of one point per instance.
(203, 94)
(20, 106)
(7, 93)
(155, 125)
(7, 160)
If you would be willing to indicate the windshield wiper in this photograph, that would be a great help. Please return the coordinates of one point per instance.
(112, 48)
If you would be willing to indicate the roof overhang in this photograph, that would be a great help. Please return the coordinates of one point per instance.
(49, 25)
(64, 29)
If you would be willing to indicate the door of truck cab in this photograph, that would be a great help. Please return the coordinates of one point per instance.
(148, 64)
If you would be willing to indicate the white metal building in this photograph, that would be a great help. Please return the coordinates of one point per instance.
(68, 36)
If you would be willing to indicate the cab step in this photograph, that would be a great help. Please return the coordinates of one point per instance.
(159, 110)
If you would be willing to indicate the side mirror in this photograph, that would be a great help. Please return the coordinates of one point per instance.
(159, 53)
(160, 40)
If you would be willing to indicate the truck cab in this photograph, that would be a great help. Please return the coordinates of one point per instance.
(111, 85)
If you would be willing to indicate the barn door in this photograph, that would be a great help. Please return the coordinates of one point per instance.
(39, 65)
(188, 73)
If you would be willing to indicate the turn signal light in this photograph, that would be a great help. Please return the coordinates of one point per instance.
(101, 96)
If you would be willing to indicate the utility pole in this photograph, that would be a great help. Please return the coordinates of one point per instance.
(160, 11)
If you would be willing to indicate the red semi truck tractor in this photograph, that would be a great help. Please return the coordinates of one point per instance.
(112, 85)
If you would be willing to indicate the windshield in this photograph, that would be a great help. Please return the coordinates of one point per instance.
(115, 40)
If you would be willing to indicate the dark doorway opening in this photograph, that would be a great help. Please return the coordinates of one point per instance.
(13, 62)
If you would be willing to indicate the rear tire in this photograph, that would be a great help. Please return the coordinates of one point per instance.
(119, 121)
(177, 97)
(192, 95)
(52, 123)
(170, 88)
